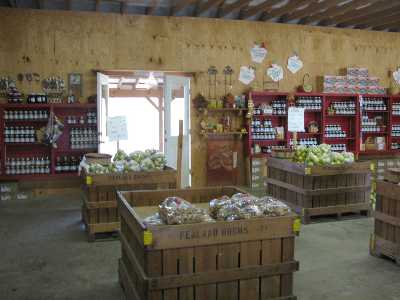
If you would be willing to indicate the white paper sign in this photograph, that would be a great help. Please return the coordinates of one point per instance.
(296, 119)
(275, 72)
(117, 128)
(294, 64)
(246, 75)
(396, 76)
(258, 54)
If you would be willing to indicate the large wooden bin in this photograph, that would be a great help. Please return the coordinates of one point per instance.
(100, 208)
(243, 259)
(386, 238)
(320, 191)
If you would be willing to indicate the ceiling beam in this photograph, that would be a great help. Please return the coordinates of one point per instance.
(68, 4)
(12, 3)
(180, 5)
(228, 8)
(390, 18)
(393, 27)
(332, 11)
(365, 14)
(278, 12)
(312, 9)
(354, 7)
(262, 7)
(124, 7)
(207, 5)
(152, 7)
(388, 25)
(377, 10)
(39, 4)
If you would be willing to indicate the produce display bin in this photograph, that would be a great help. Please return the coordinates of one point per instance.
(242, 259)
(385, 241)
(320, 190)
(100, 209)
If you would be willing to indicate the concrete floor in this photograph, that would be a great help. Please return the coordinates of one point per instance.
(44, 255)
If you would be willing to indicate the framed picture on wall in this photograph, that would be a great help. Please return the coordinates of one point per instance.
(75, 85)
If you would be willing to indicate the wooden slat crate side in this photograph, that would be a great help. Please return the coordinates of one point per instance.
(287, 165)
(166, 176)
(271, 254)
(287, 256)
(228, 258)
(238, 271)
(206, 260)
(250, 255)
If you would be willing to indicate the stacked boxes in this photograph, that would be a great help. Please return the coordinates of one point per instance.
(357, 81)
(258, 173)
(8, 191)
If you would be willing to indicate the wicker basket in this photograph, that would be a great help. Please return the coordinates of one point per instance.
(98, 158)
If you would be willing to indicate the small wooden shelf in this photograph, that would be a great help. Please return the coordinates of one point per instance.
(27, 121)
(309, 133)
(339, 139)
(374, 111)
(80, 125)
(338, 116)
(26, 144)
(77, 150)
(221, 110)
(224, 133)
(373, 133)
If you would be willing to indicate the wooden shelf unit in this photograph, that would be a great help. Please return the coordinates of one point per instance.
(19, 150)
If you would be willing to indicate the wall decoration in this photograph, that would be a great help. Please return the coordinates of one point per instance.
(258, 53)
(295, 64)
(246, 75)
(212, 82)
(396, 76)
(228, 71)
(275, 72)
(75, 85)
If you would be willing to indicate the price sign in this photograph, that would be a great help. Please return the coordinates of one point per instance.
(246, 75)
(294, 64)
(117, 129)
(296, 119)
(258, 54)
(396, 76)
(275, 72)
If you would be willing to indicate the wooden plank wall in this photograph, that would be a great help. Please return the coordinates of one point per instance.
(57, 43)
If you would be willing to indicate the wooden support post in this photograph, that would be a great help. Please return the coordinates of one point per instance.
(179, 157)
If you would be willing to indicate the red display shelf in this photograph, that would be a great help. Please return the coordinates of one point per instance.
(280, 120)
(27, 121)
(374, 133)
(340, 139)
(26, 144)
(339, 116)
(24, 105)
(31, 149)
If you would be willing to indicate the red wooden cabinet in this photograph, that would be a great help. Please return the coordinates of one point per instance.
(30, 159)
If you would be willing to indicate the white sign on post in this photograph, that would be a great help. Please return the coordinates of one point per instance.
(117, 128)
(296, 119)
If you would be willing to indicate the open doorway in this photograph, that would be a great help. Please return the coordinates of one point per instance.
(153, 103)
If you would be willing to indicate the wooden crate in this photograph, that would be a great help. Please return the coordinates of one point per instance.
(243, 259)
(100, 208)
(386, 238)
(320, 191)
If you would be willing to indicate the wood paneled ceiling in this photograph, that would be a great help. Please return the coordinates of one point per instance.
(383, 15)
